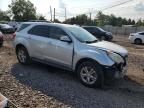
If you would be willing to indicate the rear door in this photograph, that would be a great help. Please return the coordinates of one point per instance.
(39, 41)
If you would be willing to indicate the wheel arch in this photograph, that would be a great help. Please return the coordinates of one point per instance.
(84, 60)
(138, 39)
(18, 46)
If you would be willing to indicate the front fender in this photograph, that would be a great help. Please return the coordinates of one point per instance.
(98, 55)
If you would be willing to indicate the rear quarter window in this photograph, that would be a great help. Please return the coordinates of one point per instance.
(22, 27)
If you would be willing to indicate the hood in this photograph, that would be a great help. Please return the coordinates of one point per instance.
(104, 45)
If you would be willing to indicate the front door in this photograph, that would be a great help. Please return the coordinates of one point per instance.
(62, 52)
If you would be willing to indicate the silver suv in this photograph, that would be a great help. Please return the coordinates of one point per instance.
(73, 48)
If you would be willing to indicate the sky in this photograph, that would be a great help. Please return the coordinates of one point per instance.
(133, 9)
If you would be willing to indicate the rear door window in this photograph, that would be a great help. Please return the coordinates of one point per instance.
(40, 30)
(90, 29)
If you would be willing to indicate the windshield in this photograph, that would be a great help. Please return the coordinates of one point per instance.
(82, 35)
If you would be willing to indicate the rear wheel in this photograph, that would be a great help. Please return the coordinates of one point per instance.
(22, 55)
(138, 41)
(90, 74)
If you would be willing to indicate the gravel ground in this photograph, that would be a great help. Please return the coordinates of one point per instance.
(39, 85)
(18, 93)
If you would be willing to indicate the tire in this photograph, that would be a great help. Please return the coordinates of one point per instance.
(138, 41)
(94, 78)
(22, 55)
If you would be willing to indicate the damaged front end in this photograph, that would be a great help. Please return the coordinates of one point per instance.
(117, 71)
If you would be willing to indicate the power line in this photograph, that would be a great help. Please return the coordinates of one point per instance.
(117, 5)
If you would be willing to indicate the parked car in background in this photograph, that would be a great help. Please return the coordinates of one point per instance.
(14, 24)
(1, 39)
(6, 29)
(72, 48)
(99, 33)
(137, 38)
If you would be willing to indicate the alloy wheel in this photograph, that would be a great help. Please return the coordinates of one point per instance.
(88, 75)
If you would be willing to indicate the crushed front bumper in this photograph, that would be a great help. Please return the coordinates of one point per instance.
(116, 71)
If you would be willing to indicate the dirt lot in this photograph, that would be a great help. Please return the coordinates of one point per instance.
(42, 86)
(136, 59)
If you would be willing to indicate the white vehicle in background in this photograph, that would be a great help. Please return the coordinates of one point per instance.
(137, 38)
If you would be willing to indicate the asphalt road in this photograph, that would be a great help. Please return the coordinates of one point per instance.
(65, 87)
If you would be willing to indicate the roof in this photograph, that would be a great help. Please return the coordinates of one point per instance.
(89, 26)
(45, 23)
(39, 21)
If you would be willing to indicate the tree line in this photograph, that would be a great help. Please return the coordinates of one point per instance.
(102, 19)
(24, 10)
(20, 10)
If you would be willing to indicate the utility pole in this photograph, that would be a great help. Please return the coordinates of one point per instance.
(90, 15)
(54, 15)
(51, 13)
(90, 12)
(65, 14)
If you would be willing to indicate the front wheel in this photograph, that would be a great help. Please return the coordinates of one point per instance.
(90, 74)
(23, 56)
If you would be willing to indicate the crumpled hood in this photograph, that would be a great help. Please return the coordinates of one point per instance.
(110, 46)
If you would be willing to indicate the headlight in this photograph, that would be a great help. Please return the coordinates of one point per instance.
(115, 57)
(108, 33)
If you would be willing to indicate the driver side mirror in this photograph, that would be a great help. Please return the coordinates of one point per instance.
(65, 39)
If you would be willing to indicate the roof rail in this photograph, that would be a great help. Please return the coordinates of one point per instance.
(39, 21)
